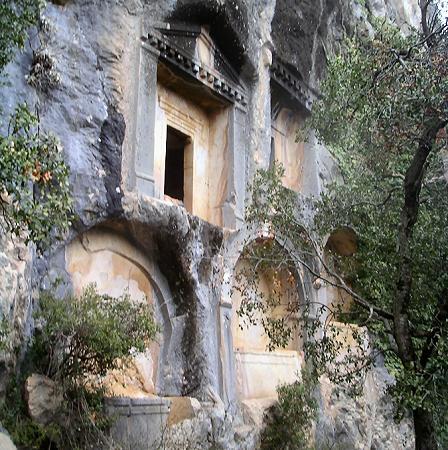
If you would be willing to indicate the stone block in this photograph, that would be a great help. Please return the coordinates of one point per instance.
(139, 422)
(252, 367)
(183, 408)
(43, 398)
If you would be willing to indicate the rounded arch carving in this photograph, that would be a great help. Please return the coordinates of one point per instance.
(234, 248)
(117, 266)
(250, 360)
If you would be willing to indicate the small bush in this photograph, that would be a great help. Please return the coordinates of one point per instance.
(87, 335)
(77, 340)
(290, 420)
(43, 74)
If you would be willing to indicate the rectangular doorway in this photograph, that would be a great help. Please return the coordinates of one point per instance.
(179, 167)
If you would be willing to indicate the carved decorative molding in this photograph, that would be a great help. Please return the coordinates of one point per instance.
(292, 84)
(222, 82)
(180, 120)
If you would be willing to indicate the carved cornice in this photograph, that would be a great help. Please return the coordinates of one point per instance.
(218, 82)
(292, 84)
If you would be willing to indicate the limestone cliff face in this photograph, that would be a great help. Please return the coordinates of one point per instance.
(99, 49)
(304, 32)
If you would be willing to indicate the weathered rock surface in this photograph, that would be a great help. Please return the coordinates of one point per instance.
(366, 422)
(183, 408)
(15, 299)
(43, 399)
(6, 442)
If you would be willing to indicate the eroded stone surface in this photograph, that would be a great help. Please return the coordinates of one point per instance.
(365, 422)
(6, 442)
(183, 408)
(43, 398)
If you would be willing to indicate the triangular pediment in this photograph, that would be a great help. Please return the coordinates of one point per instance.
(194, 45)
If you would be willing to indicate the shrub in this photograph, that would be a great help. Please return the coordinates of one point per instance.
(35, 198)
(290, 420)
(87, 335)
(77, 340)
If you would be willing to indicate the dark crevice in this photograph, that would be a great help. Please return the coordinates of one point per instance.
(227, 25)
(111, 141)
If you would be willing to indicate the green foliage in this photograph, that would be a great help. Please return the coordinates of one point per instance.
(291, 419)
(26, 433)
(16, 17)
(5, 330)
(35, 197)
(77, 341)
(284, 224)
(381, 97)
(84, 336)
(34, 193)
(383, 100)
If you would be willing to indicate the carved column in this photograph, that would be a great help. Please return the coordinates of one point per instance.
(145, 120)
(233, 208)
(228, 374)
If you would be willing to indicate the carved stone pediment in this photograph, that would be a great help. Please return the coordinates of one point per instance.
(191, 50)
(294, 89)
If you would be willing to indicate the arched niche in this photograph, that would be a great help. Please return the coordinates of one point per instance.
(285, 147)
(259, 371)
(116, 266)
(342, 242)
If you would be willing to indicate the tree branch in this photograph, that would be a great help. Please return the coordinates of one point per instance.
(412, 187)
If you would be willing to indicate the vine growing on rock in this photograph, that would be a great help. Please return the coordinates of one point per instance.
(383, 115)
(35, 197)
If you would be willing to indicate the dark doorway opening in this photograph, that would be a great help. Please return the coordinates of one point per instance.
(175, 163)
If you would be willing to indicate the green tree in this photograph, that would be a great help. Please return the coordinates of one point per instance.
(383, 115)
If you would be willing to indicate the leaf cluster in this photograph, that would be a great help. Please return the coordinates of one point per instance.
(290, 420)
(380, 97)
(16, 17)
(35, 199)
(78, 339)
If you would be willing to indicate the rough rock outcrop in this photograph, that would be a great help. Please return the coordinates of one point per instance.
(43, 399)
(365, 422)
(5, 441)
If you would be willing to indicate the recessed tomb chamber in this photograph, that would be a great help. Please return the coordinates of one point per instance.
(260, 367)
(115, 266)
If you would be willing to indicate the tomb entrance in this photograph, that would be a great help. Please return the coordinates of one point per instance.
(259, 366)
(108, 260)
(291, 100)
(190, 121)
(177, 178)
